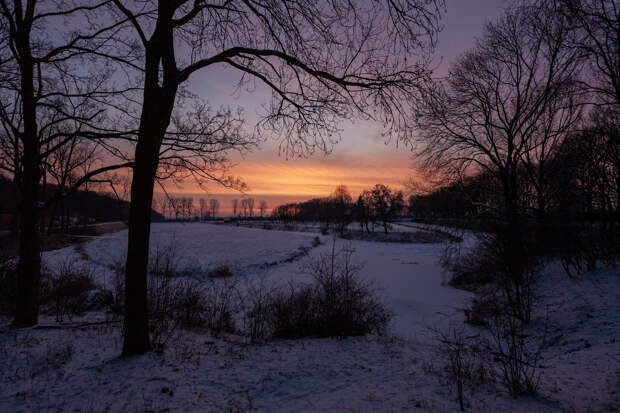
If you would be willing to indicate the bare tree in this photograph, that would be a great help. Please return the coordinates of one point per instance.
(235, 206)
(160, 204)
(324, 62)
(204, 209)
(214, 206)
(597, 24)
(362, 210)
(50, 95)
(120, 185)
(380, 200)
(495, 109)
(64, 167)
(176, 206)
(262, 208)
(188, 208)
(589, 163)
(244, 208)
(250, 203)
(342, 202)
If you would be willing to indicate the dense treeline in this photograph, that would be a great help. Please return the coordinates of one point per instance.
(375, 206)
(80, 208)
(579, 183)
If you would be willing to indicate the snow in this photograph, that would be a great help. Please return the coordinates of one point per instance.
(407, 274)
(78, 369)
(194, 245)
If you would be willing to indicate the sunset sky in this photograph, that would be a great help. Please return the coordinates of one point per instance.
(360, 160)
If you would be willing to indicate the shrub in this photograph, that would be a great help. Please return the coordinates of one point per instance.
(463, 361)
(483, 307)
(221, 271)
(490, 262)
(172, 303)
(164, 261)
(8, 287)
(581, 250)
(256, 303)
(516, 354)
(336, 304)
(189, 303)
(473, 268)
(118, 301)
(178, 299)
(222, 300)
(65, 290)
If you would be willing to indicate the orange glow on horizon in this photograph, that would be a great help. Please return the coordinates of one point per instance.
(298, 180)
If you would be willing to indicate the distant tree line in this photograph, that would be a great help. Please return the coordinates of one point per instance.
(578, 183)
(184, 208)
(77, 210)
(374, 207)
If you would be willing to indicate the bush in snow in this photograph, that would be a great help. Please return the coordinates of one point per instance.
(489, 264)
(464, 362)
(336, 304)
(172, 303)
(221, 271)
(222, 301)
(256, 305)
(179, 299)
(164, 261)
(65, 290)
(118, 302)
(515, 353)
(484, 306)
(8, 287)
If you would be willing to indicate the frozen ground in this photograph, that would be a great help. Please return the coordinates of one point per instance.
(78, 369)
(407, 275)
(194, 246)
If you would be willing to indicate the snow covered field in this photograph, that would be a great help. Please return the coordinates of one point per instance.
(78, 369)
(407, 275)
(194, 245)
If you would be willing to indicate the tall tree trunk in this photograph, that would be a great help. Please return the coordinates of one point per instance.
(156, 112)
(157, 106)
(17, 199)
(29, 265)
(136, 339)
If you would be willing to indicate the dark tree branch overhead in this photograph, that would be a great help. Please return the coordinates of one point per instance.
(324, 61)
(598, 24)
(88, 177)
(54, 92)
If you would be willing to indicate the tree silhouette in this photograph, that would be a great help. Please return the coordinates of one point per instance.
(323, 61)
(503, 103)
(52, 100)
